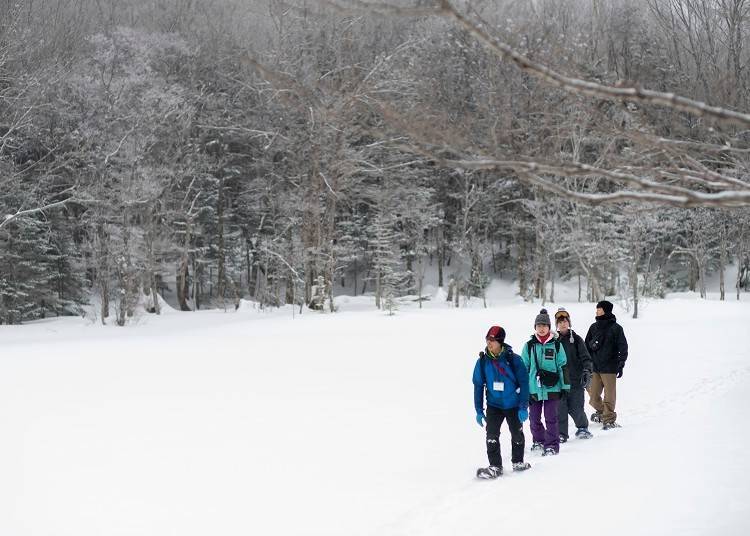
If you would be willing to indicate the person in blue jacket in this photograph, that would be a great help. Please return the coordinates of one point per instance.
(501, 377)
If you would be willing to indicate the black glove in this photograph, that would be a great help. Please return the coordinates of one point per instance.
(585, 378)
(619, 370)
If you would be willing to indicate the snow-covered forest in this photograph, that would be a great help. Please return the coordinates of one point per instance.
(287, 152)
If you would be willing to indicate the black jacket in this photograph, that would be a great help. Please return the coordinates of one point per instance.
(578, 356)
(607, 344)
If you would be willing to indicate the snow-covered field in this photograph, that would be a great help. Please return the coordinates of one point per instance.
(226, 424)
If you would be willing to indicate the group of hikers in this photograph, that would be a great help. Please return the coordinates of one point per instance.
(548, 380)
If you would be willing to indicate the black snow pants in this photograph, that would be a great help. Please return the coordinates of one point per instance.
(495, 418)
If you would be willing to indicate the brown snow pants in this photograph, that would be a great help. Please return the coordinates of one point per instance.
(606, 407)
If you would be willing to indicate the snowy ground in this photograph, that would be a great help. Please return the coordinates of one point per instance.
(358, 423)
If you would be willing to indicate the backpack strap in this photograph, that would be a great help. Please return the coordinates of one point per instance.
(483, 361)
(530, 346)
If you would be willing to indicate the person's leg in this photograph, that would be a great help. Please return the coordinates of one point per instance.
(494, 420)
(535, 421)
(610, 397)
(552, 433)
(575, 408)
(562, 416)
(595, 392)
(518, 441)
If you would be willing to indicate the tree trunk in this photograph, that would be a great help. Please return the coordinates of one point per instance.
(377, 290)
(740, 260)
(522, 275)
(692, 279)
(440, 257)
(103, 269)
(420, 281)
(150, 239)
(182, 284)
(634, 285)
(196, 285)
(221, 283)
(552, 286)
(248, 268)
(356, 270)
(722, 264)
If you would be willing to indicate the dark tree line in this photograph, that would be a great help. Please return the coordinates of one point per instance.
(288, 152)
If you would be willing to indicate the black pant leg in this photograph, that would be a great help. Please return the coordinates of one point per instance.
(495, 418)
(518, 440)
(575, 407)
(562, 415)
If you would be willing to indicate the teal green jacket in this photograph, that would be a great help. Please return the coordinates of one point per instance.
(550, 357)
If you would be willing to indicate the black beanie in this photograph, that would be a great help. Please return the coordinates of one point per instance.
(497, 333)
(605, 306)
(542, 318)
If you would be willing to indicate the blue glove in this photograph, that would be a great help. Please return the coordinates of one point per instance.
(480, 418)
(523, 414)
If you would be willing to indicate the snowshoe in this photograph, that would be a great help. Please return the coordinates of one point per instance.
(583, 433)
(521, 466)
(596, 417)
(490, 472)
(610, 425)
(550, 452)
(537, 447)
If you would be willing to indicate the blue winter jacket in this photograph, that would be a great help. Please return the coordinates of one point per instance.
(504, 380)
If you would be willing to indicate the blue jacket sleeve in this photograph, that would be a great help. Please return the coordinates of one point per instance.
(522, 374)
(478, 381)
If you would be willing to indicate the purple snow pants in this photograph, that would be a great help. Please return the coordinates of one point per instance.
(549, 436)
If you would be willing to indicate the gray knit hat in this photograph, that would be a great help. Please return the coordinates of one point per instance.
(542, 318)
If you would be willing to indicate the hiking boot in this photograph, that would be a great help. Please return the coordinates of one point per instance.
(583, 433)
(536, 446)
(521, 466)
(549, 451)
(493, 471)
(563, 438)
(610, 425)
(596, 417)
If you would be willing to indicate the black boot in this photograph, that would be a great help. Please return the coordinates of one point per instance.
(493, 471)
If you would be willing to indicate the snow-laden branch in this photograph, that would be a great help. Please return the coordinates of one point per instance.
(652, 191)
(8, 218)
(576, 86)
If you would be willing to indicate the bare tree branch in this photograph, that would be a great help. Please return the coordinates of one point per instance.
(572, 85)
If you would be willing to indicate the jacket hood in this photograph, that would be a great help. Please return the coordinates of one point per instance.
(507, 352)
(570, 336)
